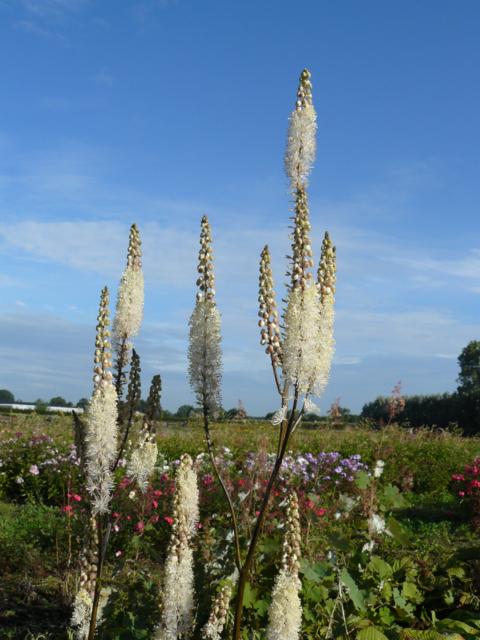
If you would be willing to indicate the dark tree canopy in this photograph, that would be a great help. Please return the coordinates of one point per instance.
(58, 401)
(185, 411)
(469, 363)
(6, 396)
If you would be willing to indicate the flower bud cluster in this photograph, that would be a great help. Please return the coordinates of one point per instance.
(269, 321)
(206, 278)
(102, 376)
(304, 93)
(134, 255)
(218, 615)
(327, 269)
(291, 542)
(302, 255)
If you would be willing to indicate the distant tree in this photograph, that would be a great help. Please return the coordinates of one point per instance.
(6, 396)
(82, 403)
(58, 401)
(469, 363)
(41, 406)
(185, 411)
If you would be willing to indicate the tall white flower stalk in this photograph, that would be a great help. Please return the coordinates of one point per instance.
(129, 308)
(205, 356)
(178, 597)
(101, 431)
(300, 349)
(205, 353)
(285, 612)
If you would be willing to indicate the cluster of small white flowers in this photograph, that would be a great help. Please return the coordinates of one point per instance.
(82, 611)
(302, 353)
(379, 468)
(178, 592)
(129, 310)
(218, 616)
(285, 612)
(301, 142)
(326, 287)
(101, 432)
(204, 351)
(143, 459)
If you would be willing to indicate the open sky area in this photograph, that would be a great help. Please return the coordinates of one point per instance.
(158, 111)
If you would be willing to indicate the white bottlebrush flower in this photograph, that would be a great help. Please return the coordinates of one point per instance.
(218, 616)
(205, 354)
(301, 137)
(204, 351)
(178, 591)
(279, 415)
(143, 459)
(101, 442)
(325, 347)
(129, 310)
(101, 419)
(301, 353)
(82, 612)
(285, 612)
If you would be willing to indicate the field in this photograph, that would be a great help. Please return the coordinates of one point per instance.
(415, 568)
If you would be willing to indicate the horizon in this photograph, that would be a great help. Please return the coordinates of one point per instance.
(159, 111)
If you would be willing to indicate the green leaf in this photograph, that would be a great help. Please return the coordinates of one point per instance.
(354, 592)
(309, 572)
(392, 498)
(398, 532)
(249, 596)
(362, 480)
(382, 568)
(371, 633)
(411, 592)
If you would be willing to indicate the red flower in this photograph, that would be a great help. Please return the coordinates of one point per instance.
(68, 509)
(168, 519)
(77, 497)
(157, 493)
(321, 512)
(309, 504)
(154, 504)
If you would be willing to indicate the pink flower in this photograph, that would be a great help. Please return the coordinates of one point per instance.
(76, 497)
(154, 504)
(458, 476)
(116, 528)
(139, 527)
(168, 519)
(157, 493)
(34, 470)
(68, 509)
(461, 493)
(321, 512)
(118, 553)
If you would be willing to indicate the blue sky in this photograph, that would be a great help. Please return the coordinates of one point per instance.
(158, 111)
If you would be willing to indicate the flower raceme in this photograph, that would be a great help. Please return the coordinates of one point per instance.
(204, 353)
(101, 435)
(129, 310)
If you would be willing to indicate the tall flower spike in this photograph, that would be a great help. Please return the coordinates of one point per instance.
(326, 286)
(269, 322)
(152, 412)
(206, 277)
(101, 431)
(302, 315)
(285, 612)
(301, 144)
(218, 616)
(129, 310)
(143, 459)
(178, 592)
(83, 603)
(204, 353)
(302, 253)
